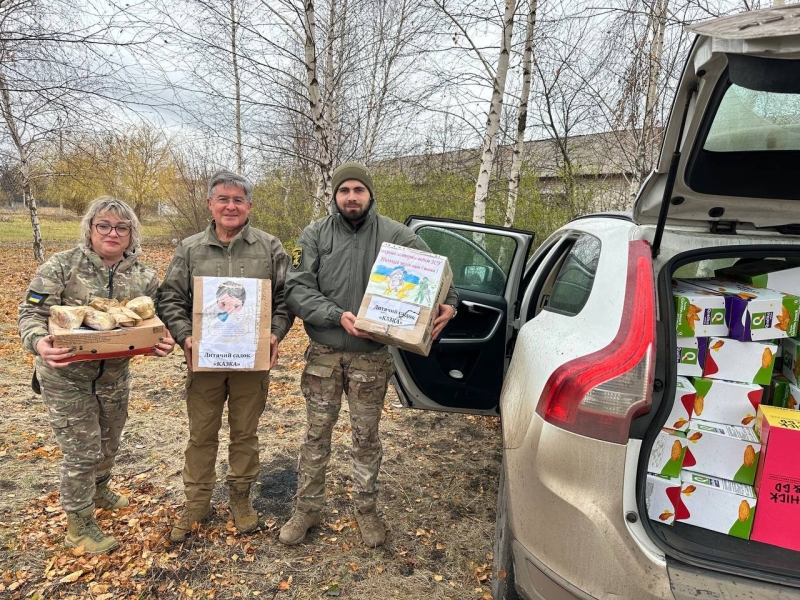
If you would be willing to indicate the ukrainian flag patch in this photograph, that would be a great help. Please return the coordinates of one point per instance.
(35, 298)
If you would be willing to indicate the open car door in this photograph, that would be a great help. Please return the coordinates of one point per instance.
(465, 368)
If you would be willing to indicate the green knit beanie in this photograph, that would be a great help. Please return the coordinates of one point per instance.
(351, 170)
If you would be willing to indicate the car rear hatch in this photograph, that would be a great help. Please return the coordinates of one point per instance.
(724, 189)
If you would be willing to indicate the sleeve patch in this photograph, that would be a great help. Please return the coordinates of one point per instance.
(35, 298)
(297, 257)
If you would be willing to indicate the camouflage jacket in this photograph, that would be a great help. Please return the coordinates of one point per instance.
(252, 253)
(73, 278)
(330, 272)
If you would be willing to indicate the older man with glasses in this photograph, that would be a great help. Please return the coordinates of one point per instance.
(229, 247)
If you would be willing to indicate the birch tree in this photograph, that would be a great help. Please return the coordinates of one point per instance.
(522, 115)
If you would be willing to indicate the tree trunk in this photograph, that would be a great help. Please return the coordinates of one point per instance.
(24, 168)
(522, 120)
(658, 20)
(318, 116)
(237, 89)
(493, 120)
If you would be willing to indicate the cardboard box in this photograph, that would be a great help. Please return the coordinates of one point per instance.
(666, 456)
(231, 324)
(403, 295)
(663, 498)
(778, 483)
(91, 344)
(777, 275)
(791, 364)
(726, 402)
(725, 451)
(682, 406)
(783, 393)
(691, 355)
(716, 504)
(747, 362)
(755, 314)
(698, 312)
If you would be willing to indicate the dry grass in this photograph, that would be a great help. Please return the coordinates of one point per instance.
(438, 485)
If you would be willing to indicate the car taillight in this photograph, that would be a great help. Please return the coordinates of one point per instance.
(598, 395)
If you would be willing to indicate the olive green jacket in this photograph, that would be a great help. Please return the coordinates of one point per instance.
(330, 271)
(73, 278)
(252, 253)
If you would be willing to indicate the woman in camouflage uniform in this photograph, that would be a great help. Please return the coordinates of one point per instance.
(87, 401)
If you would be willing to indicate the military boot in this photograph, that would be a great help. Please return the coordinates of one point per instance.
(295, 529)
(83, 530)
(183, 526)
(245, 518)
(373, 531)
(105, 498)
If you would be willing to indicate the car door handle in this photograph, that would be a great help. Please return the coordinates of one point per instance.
(476, 308)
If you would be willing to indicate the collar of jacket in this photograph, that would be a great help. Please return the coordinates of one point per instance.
(127, 259)
(372, 214)
(212, 239)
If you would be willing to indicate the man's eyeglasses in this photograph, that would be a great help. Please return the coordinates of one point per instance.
(121, 229)
(224, 200)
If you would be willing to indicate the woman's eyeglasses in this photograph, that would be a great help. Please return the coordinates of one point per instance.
(121, 229)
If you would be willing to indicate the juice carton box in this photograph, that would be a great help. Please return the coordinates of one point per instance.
(691, 355)
(666, 457)
(663, 498)
(791, 365)
(717, 504)
(784, 394)
(755, 314)
(725, 451)
(698, 312)
(682, 407)
(778, 482)
(775, 275)
(748, 362)
(726, 402)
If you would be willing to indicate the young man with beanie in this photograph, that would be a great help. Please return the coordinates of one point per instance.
(324, 287)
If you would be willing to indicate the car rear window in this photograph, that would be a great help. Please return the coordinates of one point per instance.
(755, 120)
(576, 277)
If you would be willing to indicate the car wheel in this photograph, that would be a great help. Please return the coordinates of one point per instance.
(503, 568)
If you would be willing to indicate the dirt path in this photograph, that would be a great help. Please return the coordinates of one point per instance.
(438, 485)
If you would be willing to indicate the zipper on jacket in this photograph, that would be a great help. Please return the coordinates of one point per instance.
(111, 271)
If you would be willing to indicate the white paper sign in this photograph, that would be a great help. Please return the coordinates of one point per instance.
(231, 309)
(403, 274)
(392, 312)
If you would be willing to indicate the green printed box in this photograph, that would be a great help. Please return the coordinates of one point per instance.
(783, 393)
(791, 365)
(716, 504)
(747, 362)
(775, 275)
(727, 402)
(691, 355)
(698, 312)
(725, 451)
(666, 456)
(682, 406)
(755, 314)
(663, 498)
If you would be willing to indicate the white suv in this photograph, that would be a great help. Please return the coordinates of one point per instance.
(581, 337)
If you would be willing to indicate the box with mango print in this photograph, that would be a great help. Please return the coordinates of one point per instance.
(719, 450)
(755, 314)
(698, 312)
(726, 402)
(663, 498)
(746, 362)
(717, 504)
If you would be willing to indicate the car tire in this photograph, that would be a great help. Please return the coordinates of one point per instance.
(503, 568)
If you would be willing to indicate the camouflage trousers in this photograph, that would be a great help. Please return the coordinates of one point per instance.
(207, 392)
(364, 378)
(87, 419)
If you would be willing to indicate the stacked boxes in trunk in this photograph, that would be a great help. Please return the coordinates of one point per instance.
(730, 435)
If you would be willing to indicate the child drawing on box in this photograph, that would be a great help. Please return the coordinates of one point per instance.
(230, 299)
(396, 279)
(423, 295)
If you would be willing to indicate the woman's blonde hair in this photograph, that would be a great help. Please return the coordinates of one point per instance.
(109, 205)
